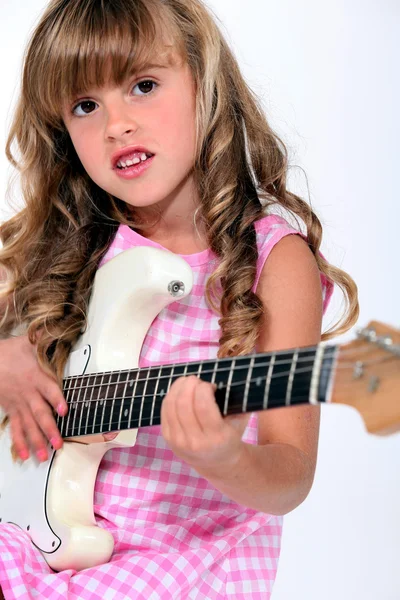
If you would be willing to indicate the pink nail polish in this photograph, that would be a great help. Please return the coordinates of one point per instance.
(61, 409)
(24, 454)
(55, 442)
(41, 454)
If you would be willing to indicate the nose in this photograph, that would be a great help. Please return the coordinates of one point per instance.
(120, 121)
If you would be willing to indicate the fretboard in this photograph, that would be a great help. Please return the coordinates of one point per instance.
(118, 400)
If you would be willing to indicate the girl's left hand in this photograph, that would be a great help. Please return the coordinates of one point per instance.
(193, 427)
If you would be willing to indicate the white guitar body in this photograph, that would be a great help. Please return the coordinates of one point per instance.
(128, 293)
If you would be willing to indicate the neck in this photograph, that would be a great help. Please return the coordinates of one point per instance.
(114, 401)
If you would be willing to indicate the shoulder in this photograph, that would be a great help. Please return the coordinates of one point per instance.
(290, 289)
(273, 232)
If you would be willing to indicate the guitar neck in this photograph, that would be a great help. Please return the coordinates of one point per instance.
(118, 400)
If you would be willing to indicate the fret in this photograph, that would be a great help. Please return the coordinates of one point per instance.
(268, 382)
(192, 368)
(165, 385)
(171, 381)
(205, 372)
(111, 403)
(228, 386)
(313, 398)
(154, 397)
(67, 396)
(74, 407)
(99, 416)
(291, 377)
(143, 399)
(132, 384)
(172, 377)
(247, 386)
(137, 399)
(121, 399)
(161, 394)
(125, 402)
(302, 377)
(222, 372)
(81, 403)
(238, 373)
(180, 371)
(108, 406)
(280, 379)
(257, 382)
(91, 405)
(214, 372)
(148, 401)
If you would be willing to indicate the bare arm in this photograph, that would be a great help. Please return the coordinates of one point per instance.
(276, 476)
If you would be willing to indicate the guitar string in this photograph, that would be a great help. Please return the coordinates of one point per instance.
(160, 377)
(161, 394)
(132, 372)
(158, 397)
(202, 373)
(157, 404)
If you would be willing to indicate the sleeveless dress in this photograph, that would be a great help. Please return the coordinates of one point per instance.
(176, 536)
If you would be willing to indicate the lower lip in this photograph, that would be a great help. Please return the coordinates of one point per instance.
(134, 170)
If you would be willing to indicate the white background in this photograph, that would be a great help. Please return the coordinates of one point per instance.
(327, 73)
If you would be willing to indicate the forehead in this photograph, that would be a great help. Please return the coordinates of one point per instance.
(111, 74)
(111, 53)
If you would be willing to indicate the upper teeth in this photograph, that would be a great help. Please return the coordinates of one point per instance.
(134, 161)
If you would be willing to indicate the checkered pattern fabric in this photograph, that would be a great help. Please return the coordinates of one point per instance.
(176, 536)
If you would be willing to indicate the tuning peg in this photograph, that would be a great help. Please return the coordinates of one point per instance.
(367, 333)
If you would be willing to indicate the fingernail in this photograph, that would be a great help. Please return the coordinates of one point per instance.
(61, 409)
(41, 454)
(56, 442)
(24, 454)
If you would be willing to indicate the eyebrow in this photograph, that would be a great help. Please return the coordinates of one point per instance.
(149, 66)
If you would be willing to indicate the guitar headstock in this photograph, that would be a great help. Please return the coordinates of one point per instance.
(368, 377)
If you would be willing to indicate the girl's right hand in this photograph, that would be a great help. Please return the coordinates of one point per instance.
(27, 396)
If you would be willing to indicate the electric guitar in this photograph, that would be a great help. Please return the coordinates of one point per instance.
(106, 392)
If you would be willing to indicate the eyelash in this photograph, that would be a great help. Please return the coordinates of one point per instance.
(136, 84)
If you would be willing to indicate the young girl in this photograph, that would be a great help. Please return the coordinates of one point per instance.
(195, 507)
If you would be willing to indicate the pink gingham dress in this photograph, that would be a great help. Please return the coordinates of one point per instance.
(176, 536)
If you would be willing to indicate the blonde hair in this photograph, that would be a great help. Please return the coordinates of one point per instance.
(52, 247)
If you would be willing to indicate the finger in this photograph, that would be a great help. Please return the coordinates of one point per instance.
(45, 419)
(185, 413)
(18, 437)
(206, 409)
(170, 428)
(50, 390)
(33, 433)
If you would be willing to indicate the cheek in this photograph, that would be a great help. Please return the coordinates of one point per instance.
(85, 147)
(177, 125)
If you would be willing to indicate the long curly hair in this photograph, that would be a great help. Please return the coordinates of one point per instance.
(53, 246)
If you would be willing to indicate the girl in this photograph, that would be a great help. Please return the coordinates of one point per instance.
(195, 507)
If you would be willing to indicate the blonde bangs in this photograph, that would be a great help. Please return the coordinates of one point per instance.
(92, 44)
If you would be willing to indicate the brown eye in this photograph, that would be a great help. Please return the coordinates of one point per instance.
(86, 106)
(146, 87)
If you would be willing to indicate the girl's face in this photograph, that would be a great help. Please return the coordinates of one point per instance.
(154, 111)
